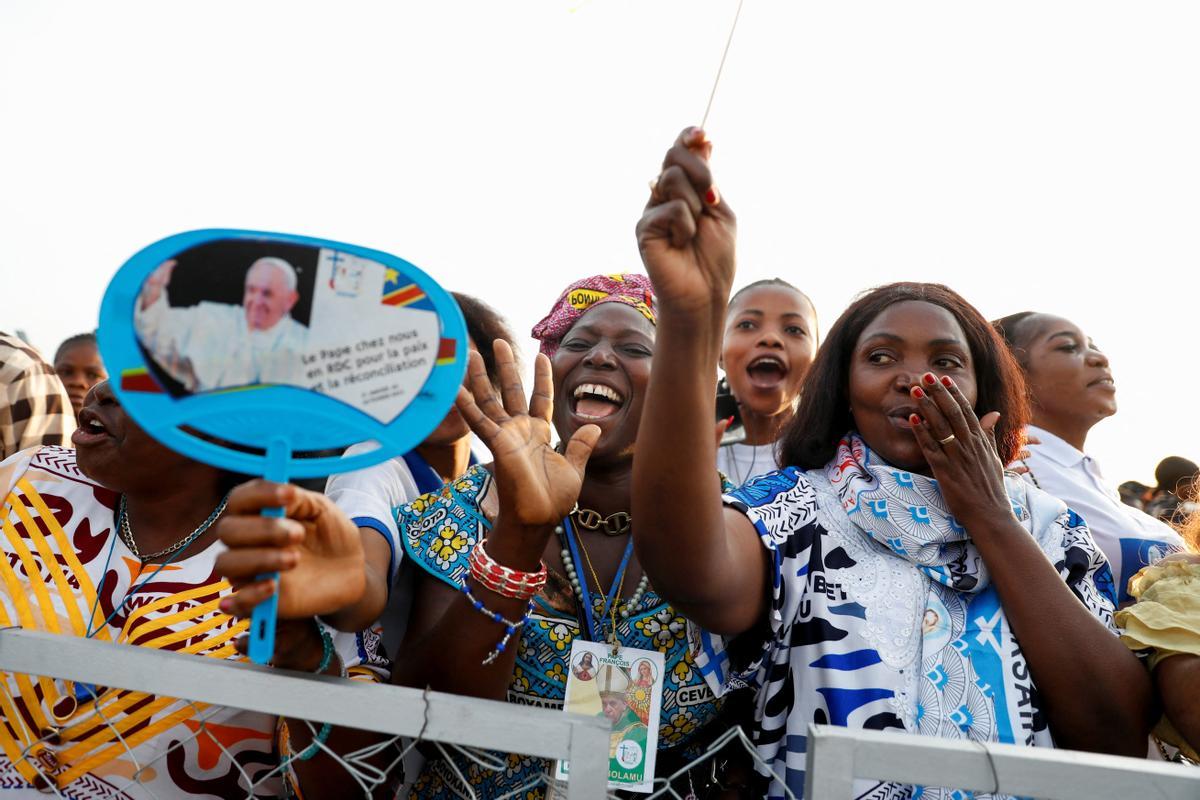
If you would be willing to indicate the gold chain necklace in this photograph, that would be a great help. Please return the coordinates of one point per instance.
(127, 532)
(615, 524)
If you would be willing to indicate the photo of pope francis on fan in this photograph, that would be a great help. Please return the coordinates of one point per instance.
(211, 343)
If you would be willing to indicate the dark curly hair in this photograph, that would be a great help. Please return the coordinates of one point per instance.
(484, 326)
(810, 439)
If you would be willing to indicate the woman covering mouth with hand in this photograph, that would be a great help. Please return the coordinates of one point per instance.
(893, 504)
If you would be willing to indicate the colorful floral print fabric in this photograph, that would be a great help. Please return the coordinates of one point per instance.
(438, 531)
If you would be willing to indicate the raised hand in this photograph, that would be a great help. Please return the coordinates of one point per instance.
(686, 234)
(180, 367)
(537, 485)
(315, 549)
(157, 283)
(961, 450)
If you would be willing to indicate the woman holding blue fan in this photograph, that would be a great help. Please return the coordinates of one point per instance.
(891, 575)
(117, 540)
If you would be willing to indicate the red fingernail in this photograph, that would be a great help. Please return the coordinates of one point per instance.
(729, 421)
(918, 392)
(711, 197)
(913, 419)
(697, 136)
(928, 378)
(947, 382)
(226, 605)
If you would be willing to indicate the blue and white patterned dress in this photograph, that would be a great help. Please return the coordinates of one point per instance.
(865, 634)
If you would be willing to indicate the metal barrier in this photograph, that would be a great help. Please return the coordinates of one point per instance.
(393, 710)
(836, 756)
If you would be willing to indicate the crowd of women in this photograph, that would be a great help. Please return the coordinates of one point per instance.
(896, 528)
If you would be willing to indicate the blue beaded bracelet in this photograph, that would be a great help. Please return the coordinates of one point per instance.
(326, 647)
(315, 747)
(510, 627)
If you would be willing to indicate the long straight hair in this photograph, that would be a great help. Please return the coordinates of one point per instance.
(810, 439)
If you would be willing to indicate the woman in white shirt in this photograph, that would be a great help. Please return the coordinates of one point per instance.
(769, 344)
(1071, 389)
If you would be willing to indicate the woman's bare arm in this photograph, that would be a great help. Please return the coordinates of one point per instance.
(703, 558)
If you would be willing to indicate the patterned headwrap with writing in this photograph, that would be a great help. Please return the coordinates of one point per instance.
(629, 288)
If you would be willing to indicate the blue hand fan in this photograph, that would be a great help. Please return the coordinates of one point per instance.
(269, 354)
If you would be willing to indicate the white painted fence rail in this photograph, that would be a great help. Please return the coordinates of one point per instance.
(836, 756)
(393, 710)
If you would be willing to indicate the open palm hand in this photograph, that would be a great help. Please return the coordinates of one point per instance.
(538, 485)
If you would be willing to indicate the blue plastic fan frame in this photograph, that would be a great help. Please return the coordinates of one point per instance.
(270, 428)
(260, 416)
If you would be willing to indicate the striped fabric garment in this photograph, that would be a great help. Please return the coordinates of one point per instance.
(59, 534)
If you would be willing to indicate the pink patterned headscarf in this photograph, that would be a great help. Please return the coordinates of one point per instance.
(629, 288)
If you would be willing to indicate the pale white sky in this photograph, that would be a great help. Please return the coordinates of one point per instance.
(1032, 155)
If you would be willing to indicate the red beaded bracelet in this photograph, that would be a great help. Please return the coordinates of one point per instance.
(502, 580)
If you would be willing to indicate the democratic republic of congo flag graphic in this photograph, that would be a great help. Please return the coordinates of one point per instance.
(139, 379)
(399, 291)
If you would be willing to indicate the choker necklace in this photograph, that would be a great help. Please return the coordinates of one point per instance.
(131, 543)
(615, 524)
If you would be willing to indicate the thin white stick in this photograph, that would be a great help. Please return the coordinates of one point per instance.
(721, 68)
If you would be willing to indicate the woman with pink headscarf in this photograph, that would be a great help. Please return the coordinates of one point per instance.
(554, 523)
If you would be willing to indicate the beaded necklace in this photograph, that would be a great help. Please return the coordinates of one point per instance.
(595, 613)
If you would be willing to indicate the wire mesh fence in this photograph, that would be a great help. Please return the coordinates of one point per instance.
(187, 708)
(194, 703)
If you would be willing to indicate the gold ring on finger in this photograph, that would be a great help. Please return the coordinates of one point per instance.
(946, 441)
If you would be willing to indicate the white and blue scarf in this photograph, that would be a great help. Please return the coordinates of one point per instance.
(974, 682)
(883, 614)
